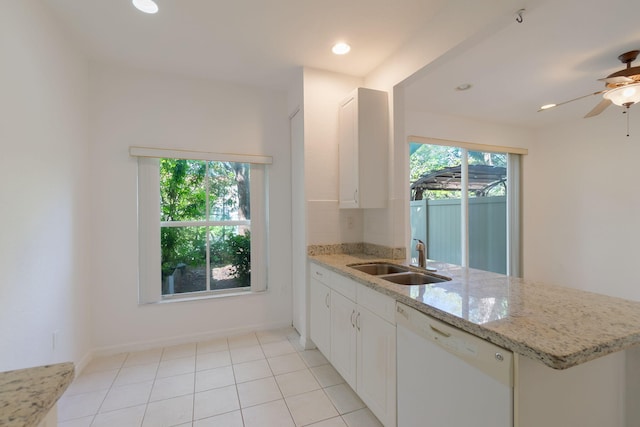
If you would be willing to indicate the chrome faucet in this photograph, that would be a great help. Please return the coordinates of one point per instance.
(422, 259)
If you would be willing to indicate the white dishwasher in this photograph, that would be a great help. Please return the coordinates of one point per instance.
(450, 378)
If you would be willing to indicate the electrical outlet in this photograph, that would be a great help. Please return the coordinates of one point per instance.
(350, 222)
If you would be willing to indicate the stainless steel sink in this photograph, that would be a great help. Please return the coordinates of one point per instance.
(410, 278)
(378, 269)
(397, 274)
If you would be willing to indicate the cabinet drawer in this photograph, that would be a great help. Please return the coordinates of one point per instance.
(335, 281)
(344, 286)
(321, 274)
(377, 303)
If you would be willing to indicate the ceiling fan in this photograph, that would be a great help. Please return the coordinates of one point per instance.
(622, 87)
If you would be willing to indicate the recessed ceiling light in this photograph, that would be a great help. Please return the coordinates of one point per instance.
(340, 48)
(146, 6)
(464, 86)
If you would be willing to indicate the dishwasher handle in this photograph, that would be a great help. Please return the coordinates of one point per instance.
(492, 359)
(438, 331)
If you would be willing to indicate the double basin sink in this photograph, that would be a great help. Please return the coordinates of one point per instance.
(398, 274)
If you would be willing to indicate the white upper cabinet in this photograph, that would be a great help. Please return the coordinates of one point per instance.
(363, 132)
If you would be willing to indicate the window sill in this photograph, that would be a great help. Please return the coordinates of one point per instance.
(206, 295)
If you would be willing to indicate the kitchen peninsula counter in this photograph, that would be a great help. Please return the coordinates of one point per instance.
(558, 326)
(27, 395)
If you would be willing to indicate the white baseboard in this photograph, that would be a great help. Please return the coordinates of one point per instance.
(82, 363)
(182, 339)
(306, 343)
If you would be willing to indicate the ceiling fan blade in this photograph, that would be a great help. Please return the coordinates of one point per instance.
(602, 105)
(571, 100)
(627, 72)
(617, 80)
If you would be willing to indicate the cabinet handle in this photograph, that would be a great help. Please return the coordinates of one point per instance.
(326, 300)
(352, 322)
(358, 321)
(318, 274)
(355, 195)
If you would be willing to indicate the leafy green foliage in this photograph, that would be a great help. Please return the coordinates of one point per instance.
(182, 198)
(239, 250)
(186, 186)
(182, 245)
(430, 158)
(182, 190)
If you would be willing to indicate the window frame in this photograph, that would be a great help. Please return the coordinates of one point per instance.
(149, 224)
(514, 196)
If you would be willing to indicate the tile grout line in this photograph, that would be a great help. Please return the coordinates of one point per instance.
(321, 388)
(146, 406)
(195, 373)
(284, 339)
(93, 420)
(282, 394)
(235, 382)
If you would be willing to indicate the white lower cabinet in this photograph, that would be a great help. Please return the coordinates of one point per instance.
(320, 328)
(343, 337)
(362, 334)
(377, 365)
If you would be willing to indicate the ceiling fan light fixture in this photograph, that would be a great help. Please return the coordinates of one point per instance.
(146, 6)
(624, 95)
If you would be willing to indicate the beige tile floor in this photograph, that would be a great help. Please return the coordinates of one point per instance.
(261, 379)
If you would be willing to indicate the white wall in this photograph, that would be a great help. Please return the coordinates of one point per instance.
(131, 107)
(316, 217)
(44, 174)
(295, 104)
(581, 205)
(327, 224)
(457, 26)
(581, 213)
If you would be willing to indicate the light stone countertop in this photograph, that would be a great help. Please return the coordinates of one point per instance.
(558, 326)
(27, 395)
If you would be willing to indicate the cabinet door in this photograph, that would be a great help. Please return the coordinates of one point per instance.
(377, 365)
(320, 327)
(363, 146)
(348, 152)
(343, 337)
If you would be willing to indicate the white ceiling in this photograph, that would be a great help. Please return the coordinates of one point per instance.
(258, 42)
(556, 54)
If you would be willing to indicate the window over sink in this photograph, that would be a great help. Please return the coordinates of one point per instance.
(465, 203)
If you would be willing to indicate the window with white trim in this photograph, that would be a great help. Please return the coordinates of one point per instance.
(465, 203)
(202, 223)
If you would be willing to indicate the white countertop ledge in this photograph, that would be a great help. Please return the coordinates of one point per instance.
(558, 326)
